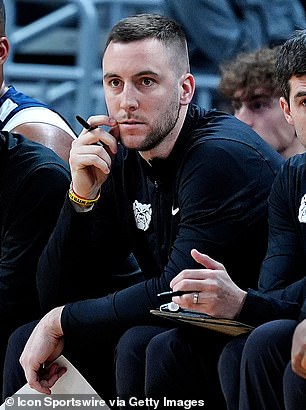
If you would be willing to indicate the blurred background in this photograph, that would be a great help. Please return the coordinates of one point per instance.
(56, 45)
(56, 48)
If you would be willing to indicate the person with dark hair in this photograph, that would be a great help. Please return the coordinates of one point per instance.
(27, 116)
(149, 189)
(249, 83)
(270, 363)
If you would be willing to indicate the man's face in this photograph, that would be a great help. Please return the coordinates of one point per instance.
(142, 91)
(263, 113)
(295, 111)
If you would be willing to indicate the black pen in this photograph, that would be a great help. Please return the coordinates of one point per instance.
(87, 126)
(177, 293)
(84, 123)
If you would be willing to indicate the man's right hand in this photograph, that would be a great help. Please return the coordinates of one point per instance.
(44, 346)
(90, 163)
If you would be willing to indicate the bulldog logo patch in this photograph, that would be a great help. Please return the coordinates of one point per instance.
(302, 210)
(142, 215)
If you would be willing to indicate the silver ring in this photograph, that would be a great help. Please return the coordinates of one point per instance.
(195, 298)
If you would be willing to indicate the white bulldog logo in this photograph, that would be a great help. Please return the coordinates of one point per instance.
(302, 210)
(142, 215)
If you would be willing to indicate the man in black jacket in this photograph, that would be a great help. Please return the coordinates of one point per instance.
(271, 361)
(169, 176)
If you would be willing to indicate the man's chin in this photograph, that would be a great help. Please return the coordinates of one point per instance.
(132, 141)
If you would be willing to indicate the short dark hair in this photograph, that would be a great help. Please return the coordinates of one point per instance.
(248, 71)
(291, 60)
(154, 26)
(2, 18)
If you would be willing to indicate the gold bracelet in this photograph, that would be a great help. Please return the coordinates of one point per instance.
(81, 201)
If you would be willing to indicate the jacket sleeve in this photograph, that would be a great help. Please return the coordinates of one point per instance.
(283, 269)
(282, 281)
(29, 222)
(267, 308)
(84, 255)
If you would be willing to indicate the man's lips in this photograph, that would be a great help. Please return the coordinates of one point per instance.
(130, 122)
(130, 125)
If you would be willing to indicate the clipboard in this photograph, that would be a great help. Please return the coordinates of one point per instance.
(226, 326)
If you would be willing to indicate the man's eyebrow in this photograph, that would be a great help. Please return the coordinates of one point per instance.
(146, 72)
(139, 74)
(110, 75)
(299, 94)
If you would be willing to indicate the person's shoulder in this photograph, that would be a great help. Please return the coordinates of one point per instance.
(295, 165)
(48, 135)
(218, 127)
(32, 154)
(216, 123)
(18, 109)
(291, 177)
(221, 135)
(296, 161)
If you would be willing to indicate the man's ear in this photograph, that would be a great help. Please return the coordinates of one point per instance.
(286, 110)
(4, 49)
(187, 88)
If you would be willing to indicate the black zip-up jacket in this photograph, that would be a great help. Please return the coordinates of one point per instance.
(210, 194)
(283, 272)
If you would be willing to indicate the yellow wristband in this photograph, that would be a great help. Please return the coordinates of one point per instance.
(82, 201)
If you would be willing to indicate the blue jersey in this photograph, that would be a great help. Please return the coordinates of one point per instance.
(17, 108)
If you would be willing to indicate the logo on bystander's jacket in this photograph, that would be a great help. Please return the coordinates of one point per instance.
(302, 210)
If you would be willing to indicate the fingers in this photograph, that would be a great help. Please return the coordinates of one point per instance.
(38, 387)
(205, 260)
(211, 267)
(89, 138)
(90, 155)
(43, 380)
(109, 138)
(188, 300)
(51, 375)
(207, 298)
(98, 120)
(298, 364)
(86, 153)
(33, 379)
(303, 363)
(298, 351)
(83, 156)
(90, 162)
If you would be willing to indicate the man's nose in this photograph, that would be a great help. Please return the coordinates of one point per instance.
(129, 100)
